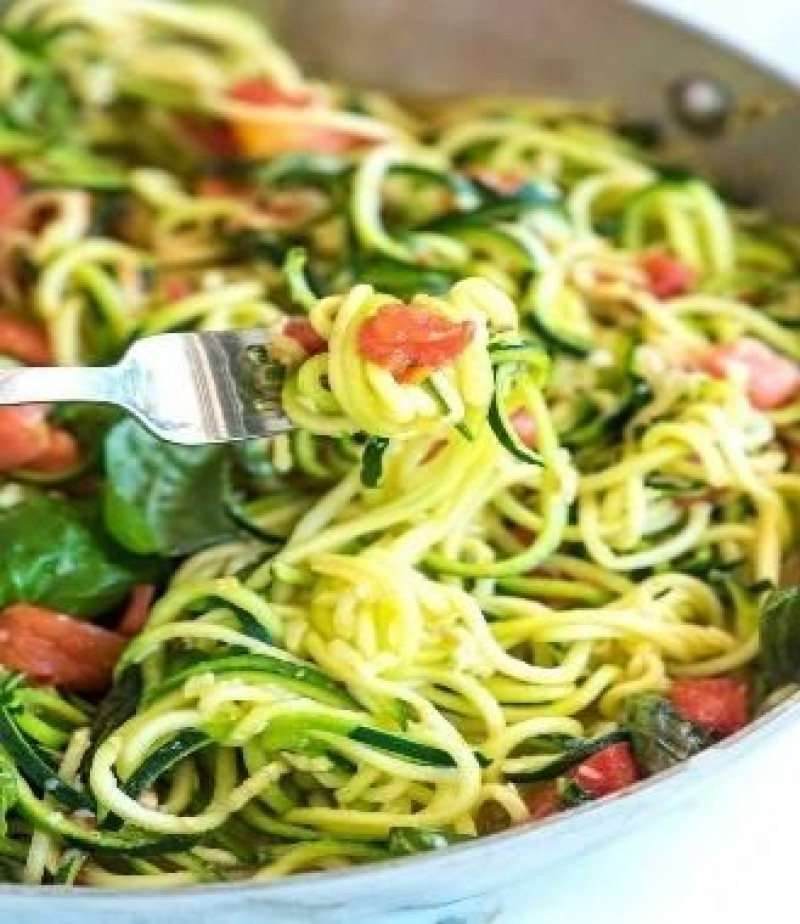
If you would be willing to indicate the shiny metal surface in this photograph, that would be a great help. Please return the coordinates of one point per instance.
(186, 388)
(583, 48)
(589, 49)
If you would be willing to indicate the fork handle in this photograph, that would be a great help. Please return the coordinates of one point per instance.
(103, 385)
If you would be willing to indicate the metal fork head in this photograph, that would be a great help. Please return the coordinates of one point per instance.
(201, 388)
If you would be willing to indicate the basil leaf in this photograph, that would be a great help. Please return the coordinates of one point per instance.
(372, 461)
(780, 636)
(57, 554)
(660, 736)
(161, 498)
(89, 423)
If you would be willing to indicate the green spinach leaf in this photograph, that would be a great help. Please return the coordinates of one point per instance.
(89, 423)
(372, 461)
(56, 553)
(161, 498)
(780, 636)
(660, 736)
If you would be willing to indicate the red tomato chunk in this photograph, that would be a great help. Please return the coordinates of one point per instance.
(606, 772)
(61, 453)
(667, 276)
(28, 441)
(24, 435)
(257, 139)
(210, 136)
(772, 379)
(55, 649)
(409, 340)
(138, 610)
(10, 190)
(716, 704)
(262, 92)
(544, 802)
(23, 339)
(175, 289)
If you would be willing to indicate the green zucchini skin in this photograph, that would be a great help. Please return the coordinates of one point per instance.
(511, 360)
(601, 429)
(564, 325)
(310, 733)
(301, 678)
(504, 243)
(36, 768)
(130, 843)
(403, 747)
(496, 206)
(163, 759)
(118, 705)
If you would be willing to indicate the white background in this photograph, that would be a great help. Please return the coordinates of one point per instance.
(768, 29)
(733, 855)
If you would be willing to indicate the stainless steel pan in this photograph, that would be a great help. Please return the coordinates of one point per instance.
(582, 48)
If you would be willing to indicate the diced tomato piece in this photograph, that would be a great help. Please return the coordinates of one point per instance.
(176, 288)
(139, 606)
(302, 331)
(667, 276)
(25, 340)
(263, 92)
(257, 139)
(217, 186)
(543, 802)
(607, 771)
(772, 379)
(503, 182)
(61, 454)
(11, 186)
(210, 136)
(55, 649)
(24, 435)
(409, 340)
(525, 426)
(717, 704)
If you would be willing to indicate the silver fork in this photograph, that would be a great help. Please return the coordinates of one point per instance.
(187, 388)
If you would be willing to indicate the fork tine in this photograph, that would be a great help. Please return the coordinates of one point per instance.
(205, 387)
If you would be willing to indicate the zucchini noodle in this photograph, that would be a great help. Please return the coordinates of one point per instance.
(439, 582)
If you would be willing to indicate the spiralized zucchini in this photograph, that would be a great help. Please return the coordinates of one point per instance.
(439, 583)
